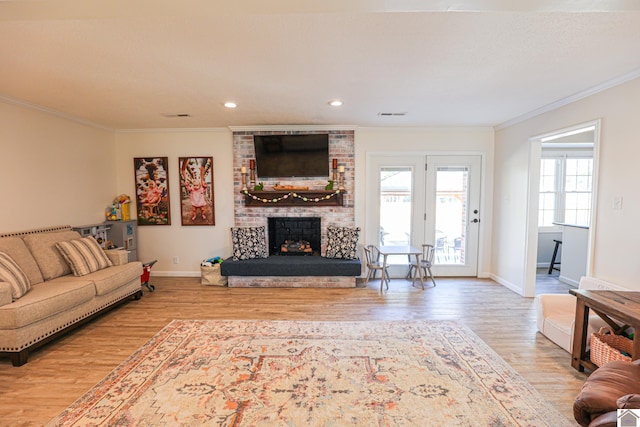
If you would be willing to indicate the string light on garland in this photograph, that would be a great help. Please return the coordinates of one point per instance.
(292, 194)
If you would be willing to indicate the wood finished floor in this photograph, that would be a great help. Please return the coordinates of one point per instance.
(58, 373)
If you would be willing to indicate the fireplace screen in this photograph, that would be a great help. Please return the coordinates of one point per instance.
(294, 236)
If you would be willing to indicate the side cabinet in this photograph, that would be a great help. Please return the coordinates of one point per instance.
(98, 231)
(124, 234)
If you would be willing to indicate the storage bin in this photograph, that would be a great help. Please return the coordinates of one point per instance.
(607, 347)
(211, 276)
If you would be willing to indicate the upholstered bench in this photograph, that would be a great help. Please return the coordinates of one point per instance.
(291, 266)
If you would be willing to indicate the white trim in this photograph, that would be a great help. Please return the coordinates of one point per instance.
(506, 284)
(175, 130)
(284, 128)
(531, 229)
(568, 281)
(156, 273)
(571, 99)
(53, 112)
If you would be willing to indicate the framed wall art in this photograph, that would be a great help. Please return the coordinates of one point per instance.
(196, 190)
(152, 190)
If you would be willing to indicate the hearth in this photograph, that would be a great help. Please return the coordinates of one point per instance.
(294, 236)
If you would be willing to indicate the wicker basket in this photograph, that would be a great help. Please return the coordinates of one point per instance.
(607, 347)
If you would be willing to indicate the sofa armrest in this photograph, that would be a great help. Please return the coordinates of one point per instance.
(117, 256)
(629, 401)
(609, 419)
(5, 294)
(548, 305)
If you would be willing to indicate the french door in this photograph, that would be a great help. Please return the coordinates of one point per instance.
(427, 199)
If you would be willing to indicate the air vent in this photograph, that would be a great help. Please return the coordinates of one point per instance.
(382, 114)
(177, 115)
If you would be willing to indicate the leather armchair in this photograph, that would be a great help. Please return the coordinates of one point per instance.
(615, 385)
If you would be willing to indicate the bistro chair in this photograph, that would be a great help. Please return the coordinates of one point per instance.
(374, 265)
(426, 262)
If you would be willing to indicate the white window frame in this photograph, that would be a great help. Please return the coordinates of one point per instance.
(561, 156)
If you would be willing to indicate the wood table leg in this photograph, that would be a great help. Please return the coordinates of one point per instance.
(578, 353)
(636, 343)
(384, 271)
(419, 271)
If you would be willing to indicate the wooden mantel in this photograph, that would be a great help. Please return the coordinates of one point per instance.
(283, 198)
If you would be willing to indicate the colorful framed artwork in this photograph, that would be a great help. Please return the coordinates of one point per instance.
(196, 190)
(152, 190)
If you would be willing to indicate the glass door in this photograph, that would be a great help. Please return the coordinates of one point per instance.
(453, 213)
(397, 201)
(426, 199)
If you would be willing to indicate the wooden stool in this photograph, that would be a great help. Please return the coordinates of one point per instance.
(553, 258)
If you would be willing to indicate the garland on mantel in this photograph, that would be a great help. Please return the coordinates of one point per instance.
(291, 194)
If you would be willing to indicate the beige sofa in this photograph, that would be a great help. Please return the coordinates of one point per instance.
(57, 300)
(556, 313)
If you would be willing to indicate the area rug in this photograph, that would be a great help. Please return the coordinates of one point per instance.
(290, 373)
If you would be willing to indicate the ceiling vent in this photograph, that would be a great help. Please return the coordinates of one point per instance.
(382, 114)
(177, 115)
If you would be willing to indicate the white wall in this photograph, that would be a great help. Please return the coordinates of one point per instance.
(191, 244)
(616, 231)
(53, 171)
(425, 141)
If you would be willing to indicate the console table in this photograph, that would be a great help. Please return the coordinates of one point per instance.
(622, 306)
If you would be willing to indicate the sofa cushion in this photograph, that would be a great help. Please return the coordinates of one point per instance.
(342, 242)
(111, 278)
(45, 300)
(249, 243)
(18, 251)
(11, 273)
(49, 259)
(84, 255)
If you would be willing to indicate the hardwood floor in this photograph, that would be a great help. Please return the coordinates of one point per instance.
(59, 373)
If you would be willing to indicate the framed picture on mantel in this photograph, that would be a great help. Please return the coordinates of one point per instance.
(196, 190)
(152, 190)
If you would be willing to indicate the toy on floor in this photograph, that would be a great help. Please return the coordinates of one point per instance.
(146, 272)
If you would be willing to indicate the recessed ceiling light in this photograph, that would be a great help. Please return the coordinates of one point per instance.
(230, 104)
(335, 103)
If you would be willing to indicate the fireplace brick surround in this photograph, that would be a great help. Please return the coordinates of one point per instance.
(342, 148)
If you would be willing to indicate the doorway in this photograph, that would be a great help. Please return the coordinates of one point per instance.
(427, 199)
(562, 201)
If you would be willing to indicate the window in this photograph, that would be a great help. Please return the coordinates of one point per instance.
(565, 188)
(548, 192)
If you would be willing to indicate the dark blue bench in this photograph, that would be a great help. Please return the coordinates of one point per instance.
(291, 266)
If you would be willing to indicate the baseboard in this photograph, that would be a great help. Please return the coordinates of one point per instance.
(568, 281)
(506, 284)
(155, 273)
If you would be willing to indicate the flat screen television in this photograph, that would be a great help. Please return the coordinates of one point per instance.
(287, 156)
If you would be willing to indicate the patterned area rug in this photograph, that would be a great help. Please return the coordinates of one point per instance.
(287, 373)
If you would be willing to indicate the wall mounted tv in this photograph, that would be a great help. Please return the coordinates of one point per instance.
(286, 156)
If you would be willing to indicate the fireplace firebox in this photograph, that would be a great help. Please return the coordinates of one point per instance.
(294, 236)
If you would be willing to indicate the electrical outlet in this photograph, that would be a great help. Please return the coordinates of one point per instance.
(176, 260)
(617, 203)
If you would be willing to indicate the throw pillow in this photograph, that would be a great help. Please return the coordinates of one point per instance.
(249, 243)
(342, 242)
(84, 255)
(11, 273)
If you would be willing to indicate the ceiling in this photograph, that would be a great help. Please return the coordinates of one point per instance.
(125, 64)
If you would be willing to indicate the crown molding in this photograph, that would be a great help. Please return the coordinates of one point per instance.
(285, 128)
(174, 130)
(571, 99)
(31, 106)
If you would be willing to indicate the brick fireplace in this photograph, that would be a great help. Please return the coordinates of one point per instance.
(342, 148)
